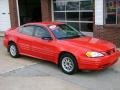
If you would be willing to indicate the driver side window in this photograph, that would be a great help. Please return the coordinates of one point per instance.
(41, 32)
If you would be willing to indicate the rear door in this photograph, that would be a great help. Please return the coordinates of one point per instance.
(25, 39)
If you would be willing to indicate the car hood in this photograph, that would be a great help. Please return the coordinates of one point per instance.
(89, 43)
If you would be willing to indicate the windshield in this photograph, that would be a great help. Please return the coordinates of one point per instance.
(64, 31)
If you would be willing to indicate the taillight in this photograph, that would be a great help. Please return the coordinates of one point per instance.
(5, 35)
(11, 29)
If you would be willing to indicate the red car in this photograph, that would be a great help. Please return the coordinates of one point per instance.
(62, 45)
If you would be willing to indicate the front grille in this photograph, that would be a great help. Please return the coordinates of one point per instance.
(108, 64)
(111, 51)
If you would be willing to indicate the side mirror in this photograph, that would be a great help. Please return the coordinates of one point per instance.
(47, 38)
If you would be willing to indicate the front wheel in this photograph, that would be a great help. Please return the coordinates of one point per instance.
(68, 64)
(13, 50)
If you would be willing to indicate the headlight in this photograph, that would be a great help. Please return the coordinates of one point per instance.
(94, 54)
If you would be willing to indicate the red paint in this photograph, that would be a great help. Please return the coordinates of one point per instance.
(51, 49)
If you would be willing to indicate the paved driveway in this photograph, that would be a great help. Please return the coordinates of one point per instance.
(24, 69)
(8, 64)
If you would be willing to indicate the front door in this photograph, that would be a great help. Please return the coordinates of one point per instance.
(4, 15)
(42, 46)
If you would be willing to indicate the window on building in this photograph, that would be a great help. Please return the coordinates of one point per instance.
(77, 13)
(112, 11)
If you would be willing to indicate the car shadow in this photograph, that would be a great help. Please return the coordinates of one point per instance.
(80, 72)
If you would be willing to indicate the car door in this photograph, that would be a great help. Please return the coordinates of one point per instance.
(25, 39)
(43, 46)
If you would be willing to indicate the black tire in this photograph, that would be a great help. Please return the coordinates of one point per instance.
(72, 63)
(13, 50)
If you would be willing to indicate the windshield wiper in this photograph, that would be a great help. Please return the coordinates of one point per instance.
(76, 36)
(64, 38)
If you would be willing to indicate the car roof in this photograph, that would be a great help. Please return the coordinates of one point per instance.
(45, 23)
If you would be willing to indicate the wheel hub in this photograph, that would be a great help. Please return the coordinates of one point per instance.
(67, 64)
(13, 50)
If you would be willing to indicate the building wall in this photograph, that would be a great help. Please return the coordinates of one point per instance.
(13, 13)
(102, 30)
(45, 8)
(99, 12)
(110, 33)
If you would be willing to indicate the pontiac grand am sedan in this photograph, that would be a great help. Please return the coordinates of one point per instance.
(61, 44)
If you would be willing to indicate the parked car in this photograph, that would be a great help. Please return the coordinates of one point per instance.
(62, 45)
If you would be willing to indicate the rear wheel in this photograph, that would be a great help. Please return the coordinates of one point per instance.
(13, 50)
(68, 64)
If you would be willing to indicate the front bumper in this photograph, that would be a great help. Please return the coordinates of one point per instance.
(86, 63)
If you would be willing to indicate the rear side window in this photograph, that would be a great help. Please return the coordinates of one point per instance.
(27, 30)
